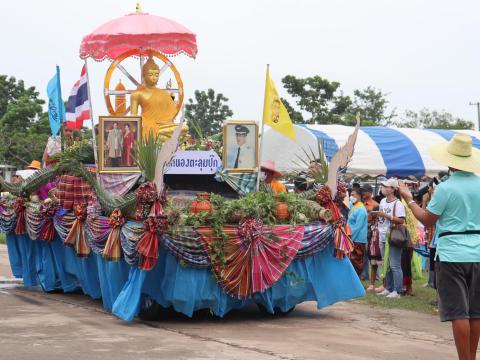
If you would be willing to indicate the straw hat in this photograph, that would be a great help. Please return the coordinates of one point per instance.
(458, 153)
(34, 165)
(270, 166)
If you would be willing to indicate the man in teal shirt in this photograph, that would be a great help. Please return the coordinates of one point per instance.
(455, 208)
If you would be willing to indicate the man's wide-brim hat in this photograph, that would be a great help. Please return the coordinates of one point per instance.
(269, 165)
(34, 165)
(458, 153)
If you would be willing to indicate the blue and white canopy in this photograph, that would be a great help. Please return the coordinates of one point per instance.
(399, 152)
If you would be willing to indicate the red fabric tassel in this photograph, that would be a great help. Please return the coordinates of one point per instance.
(47, 232)
(147, 246)
(113, 249)
(343, 244)
(76, 236)
(19, 207)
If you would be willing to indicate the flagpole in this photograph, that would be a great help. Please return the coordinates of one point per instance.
(94, 138)
(59, 111)
(261, 132)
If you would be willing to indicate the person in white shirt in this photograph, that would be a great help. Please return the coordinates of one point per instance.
(391, 211)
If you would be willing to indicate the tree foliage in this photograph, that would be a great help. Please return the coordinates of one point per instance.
(207, 112)
(432, 119)
(24, 127)
(320, 98)
(372, 104)
(320, 101)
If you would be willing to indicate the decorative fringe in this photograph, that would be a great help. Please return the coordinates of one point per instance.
(19, 207)
(147, 246)
(113, 249)
(76, 236)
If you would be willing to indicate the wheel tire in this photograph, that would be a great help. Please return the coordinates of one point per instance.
(151, 310)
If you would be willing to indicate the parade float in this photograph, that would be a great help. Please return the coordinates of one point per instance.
(175, 228)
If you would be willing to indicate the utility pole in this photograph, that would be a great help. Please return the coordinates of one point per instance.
(477, 104)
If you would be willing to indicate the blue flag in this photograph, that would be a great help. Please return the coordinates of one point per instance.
(56, 108)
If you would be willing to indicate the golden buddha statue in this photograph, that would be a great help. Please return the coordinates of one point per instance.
(158, 107)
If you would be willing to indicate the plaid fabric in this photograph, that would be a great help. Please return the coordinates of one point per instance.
(72, 190)
(316, 238)
(252, 266)
(242, 183)
(119, 184)
(186, 245)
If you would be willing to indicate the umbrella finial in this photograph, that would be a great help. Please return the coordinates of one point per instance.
(138, 8)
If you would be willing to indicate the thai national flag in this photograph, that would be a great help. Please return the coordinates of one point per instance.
(78, 107)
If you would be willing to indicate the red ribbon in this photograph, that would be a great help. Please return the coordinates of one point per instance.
(76, 236)
(147, 246)
(147, 195)
(19, 208)
(113, 249)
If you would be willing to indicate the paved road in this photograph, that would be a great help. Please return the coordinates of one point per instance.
(36, 325)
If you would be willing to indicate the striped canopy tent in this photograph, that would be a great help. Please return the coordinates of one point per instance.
(399, 152)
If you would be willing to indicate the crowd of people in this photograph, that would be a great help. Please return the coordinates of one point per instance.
(446, 219)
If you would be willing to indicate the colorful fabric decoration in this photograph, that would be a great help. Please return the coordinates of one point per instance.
(252, 258)
(147, 246)
(186, 245)
(112, 250)
(97, 229)
(76, 237)
(119, 184)
(148, 202)
(72, 190)
(342, 239)
(242, 183)
(131, 233)
(33, 220)
(47, 230)
(19, 208)
(315, 238)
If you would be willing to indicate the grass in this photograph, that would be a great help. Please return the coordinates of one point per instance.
(418, 302)
(2, 238)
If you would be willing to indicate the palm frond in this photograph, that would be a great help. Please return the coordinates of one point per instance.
(148, 149)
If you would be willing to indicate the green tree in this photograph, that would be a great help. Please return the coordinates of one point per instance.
(24, 127)
(320, 98)
(207, 113)
(372, 104)
(432, 119)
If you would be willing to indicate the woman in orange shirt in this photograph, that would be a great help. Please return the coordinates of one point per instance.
(271, 172)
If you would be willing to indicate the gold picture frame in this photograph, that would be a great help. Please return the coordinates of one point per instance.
(116, 150)
(240, 152)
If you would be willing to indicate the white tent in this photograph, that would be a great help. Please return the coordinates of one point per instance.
(399, 152)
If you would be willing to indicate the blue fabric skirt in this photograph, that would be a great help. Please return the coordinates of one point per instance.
(321, 278)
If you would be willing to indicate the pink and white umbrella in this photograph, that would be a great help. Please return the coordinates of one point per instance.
(140, 31)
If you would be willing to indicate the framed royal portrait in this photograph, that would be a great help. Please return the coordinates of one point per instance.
(118, 137)
(240, 145)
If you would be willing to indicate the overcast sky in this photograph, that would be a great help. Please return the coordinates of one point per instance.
(424, 53)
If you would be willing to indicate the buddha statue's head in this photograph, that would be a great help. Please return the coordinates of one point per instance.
(150, 72)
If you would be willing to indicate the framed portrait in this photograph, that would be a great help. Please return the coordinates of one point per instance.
(118, 137)
(240, 145)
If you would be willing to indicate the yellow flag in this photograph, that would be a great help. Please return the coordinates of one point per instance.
(275, 114)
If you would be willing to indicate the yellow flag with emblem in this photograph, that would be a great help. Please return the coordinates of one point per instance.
(275, 114)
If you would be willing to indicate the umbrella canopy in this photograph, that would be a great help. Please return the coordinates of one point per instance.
(138, 31)
(400, 152)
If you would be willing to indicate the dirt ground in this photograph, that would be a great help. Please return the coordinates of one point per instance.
(36, 325)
